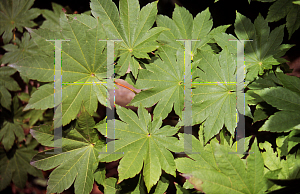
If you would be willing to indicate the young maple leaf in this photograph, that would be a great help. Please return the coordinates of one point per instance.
(214, 96)
(16, 14)
(263, 48)
(215, 170)
(83, 61)
(140, 141)
(15, 166)
(131, 25)
(78, 160)
(183, 27)
(162, 83)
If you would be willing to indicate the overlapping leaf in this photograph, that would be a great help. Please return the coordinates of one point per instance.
(264, 48)
(141, 143)
(14, 165)
(52, 17)
(78, 159)
(162, 83)
(183, 27)
(285, 8)
(214, 170)
(7, 83)
(132, 26)
(214, 96)
(23, 48)
(285, 169)
(83, 61)
(285, 100)
(8, 133)
(16, 14)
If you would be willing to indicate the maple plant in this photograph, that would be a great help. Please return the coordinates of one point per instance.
(151, 57)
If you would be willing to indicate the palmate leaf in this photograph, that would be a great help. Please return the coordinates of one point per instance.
(142, 142)
(16, 14)
(132, 26)
(14, 165)
(162, 83)
(77, 162)
(214, 170)
(214, 96)
(83, 61)
(182, 26)
(263, 51)
(21, 50)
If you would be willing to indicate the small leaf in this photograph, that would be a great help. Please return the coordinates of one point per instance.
(16, 14)
(15, 165)
(8, 134)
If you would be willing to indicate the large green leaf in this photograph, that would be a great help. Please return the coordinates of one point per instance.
(162, 83)
(78, 159)
(16, 14)
(285, 100)
(263, 51)
(214, 170)
(141, 142)
(132, 26)
(214, 96)
(14, 165)
(182, 26)
(83, 61)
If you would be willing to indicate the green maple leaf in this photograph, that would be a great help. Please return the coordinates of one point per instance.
(183, 26)
(214, 170)
(131, 25)
(14, 165)
(214, 96)
(19, 51)
(162, 83)
(77, 162)
(83, 61)
(263, 51)
(284, 99)
(7, 83)
(23, 48)
(142, 142)
(16, 14)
